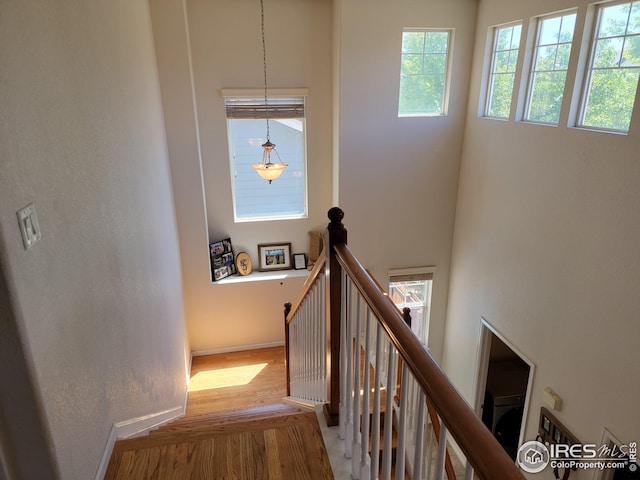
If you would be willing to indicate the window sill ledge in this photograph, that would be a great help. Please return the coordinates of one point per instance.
(262, 276)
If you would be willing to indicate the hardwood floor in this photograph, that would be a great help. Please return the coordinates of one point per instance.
(235, 428)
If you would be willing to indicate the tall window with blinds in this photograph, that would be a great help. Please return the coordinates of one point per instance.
(255, 199)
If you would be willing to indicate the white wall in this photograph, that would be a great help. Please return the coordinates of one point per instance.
(546, 249)
(96, 305)
(202, 47)
(398, 176)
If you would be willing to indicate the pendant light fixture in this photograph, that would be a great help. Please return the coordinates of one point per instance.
(267, 169)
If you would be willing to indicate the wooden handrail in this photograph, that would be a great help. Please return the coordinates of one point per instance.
(483, 451)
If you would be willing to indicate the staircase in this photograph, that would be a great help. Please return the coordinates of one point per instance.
(265, 442)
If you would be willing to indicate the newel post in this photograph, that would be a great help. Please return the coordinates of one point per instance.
(336, 234)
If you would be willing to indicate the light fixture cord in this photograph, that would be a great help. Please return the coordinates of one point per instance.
(264, 63)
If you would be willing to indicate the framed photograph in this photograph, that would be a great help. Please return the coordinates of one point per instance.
(222, 261)
(299, 261)
(546, 424)
(274, 256)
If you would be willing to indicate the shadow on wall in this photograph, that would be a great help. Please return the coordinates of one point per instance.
(24, 449)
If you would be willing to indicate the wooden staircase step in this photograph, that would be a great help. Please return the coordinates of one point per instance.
(228, 417)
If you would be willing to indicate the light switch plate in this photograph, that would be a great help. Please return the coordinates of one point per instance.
(29, 227)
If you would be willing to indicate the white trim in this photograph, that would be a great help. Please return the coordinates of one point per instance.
(237, 348)
(271, 92)
(482, 366)
(394, 272)
(135, 427)
(141, 425)
(106, 456)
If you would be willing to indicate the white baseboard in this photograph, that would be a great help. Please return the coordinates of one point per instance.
(134, 427)
(239, 348)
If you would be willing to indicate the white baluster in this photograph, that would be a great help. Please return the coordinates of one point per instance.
(365, 465)
(442, 452)
(468, 472)
(349, 387)
(402, 422)
(375, 429)
(357, 442)
(343, 359)
(419, 438)
(388, 414)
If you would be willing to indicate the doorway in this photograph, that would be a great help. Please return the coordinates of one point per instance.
(503, 388)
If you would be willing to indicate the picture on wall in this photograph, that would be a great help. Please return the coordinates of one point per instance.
(222, 259)
(274, 256)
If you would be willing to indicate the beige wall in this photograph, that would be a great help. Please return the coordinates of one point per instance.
(96, 305)
(202, 47)
(546, 249)
(355, 46)
(398, 176)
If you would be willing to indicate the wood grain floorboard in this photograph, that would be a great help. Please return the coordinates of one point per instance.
(236, 430)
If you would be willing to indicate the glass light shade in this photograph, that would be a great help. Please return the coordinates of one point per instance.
(266, 169)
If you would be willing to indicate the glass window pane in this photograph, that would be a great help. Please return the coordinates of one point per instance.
(548, 76)
(610, 98)
(436, 42)
(500, 102)
(613, 21)
(423, 73)
(413, 42)
(634, 19)
(631, 52)
(546, 58)
(502, 64)
(608, 52)
(254, 197)
(562, 56)
(550, 31)
(546, 96)
(568, 27)
(435, 63)
(411, 64)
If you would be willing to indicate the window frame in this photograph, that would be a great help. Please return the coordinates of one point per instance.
(491, 74)
(416, 274)
(588, 70)
(446, 75)
(526, 116)
(273, 94)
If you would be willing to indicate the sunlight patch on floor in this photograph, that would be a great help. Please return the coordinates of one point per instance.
(225, 377)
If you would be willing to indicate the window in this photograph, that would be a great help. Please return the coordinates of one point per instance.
(549, 70)
(423, 72)
(506, 42)
(256, 199)
(612, 77)
(412, 288)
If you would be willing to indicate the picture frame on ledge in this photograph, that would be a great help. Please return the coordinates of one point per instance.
(222, 259)
(274, 256)
(299, 261)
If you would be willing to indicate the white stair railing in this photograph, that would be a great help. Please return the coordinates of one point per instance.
(347, 346)
(384, 439)
(306, 344)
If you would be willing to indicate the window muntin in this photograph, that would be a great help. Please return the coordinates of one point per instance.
(424, 72)
(504, 58)
(549, 70)
(255, 199)
(614, 67)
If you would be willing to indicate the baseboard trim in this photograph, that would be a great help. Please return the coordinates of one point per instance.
(134, 427)
(238, 348)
